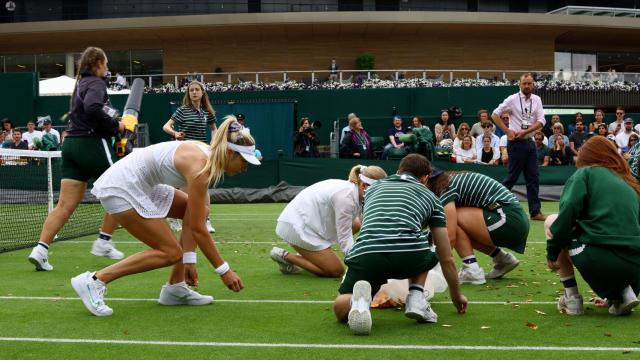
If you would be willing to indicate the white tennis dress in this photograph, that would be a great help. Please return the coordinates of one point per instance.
(145, 179)
(320, 216)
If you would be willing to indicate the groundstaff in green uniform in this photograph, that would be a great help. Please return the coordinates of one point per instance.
(481, 214)
(393, 245)
(597, 230)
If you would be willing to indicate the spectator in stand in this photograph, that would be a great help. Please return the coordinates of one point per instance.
(577, 138)
(487, 128)
(424, 137)
(602, 130)
(3, 137)
(476, 129)
(48, 129)
(305, 141)
(598, 119)
(560, 155)
(548, 130)
(558, 131)
(571, 128)
(240, 118)
(616, 126)
(393, 134)
(466, 154)
(633, 139)
(356, 143)
(18, 143)
(622, 139)
(7, 127)
(541, 149)
(445, 130)
(347, 128)
(333, 70)
(489, 155)
(463, 131)
(31, 133)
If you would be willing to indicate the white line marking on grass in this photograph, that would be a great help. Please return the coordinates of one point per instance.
(317, 346)
(259, 301)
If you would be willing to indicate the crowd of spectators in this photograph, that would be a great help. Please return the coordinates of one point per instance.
(30, 138)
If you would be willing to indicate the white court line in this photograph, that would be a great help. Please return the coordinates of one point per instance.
(318, 346)
(258, 301)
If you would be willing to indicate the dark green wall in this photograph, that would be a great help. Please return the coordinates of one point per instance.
(18, 95)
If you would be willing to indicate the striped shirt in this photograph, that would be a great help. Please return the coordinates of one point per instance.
(476, 190)
(633, 160)
(193, 123)
(396, 210)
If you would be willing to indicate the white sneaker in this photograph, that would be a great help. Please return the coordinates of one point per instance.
(210, 227)
(502, 264)
(471, 275)
(418, 308)
(624, 307)
(105, 248)
(175, 224)
(91, 293)
(40, 258)
(360, 315)
(277, 255)
(181, 294)
(571, 305)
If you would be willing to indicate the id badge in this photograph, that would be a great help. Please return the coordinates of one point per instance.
(306, 149)
(364, 147)
(525, 123)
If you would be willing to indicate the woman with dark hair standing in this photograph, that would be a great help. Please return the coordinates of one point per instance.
(305, 140)
(597, 230)
(87, 153)
(192, 117)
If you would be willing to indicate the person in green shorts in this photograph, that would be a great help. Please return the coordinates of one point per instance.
(597, 230)
(86, 154)
(482, 214)
(392, 244)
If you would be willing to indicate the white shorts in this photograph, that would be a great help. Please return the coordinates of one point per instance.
(298, 237)
(115, 204)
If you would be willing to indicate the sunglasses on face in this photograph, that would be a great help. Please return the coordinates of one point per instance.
(464, 128)
(486, 126)
(619, 113)
(505, 118)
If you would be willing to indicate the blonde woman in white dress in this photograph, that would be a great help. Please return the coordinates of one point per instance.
(323, 214)
(140, 192)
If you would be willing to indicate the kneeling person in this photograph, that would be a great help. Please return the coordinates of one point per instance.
(392, 244)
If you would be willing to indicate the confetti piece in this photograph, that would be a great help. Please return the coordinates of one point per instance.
(512, 286)
(485, 327)
(446, 325)
(541, 312)
(532, 326)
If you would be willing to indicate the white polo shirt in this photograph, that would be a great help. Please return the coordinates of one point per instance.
(520, 108)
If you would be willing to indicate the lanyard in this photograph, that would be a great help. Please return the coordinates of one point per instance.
(361, 139)
(523, 110)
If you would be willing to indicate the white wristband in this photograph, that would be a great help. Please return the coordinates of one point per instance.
(223, 269)
(189, 257)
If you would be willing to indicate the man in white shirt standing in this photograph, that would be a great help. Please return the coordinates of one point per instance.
(526, 117)
(31, 133)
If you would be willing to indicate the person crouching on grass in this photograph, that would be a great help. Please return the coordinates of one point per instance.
(597, 230)
(323, 214)
(140, 191)
(392, 245)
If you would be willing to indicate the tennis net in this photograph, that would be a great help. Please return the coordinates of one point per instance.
(29, 188)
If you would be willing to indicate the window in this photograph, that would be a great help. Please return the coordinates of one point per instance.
(20, 63)
(50, 65)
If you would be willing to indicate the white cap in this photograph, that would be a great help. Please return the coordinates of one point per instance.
(247, 152)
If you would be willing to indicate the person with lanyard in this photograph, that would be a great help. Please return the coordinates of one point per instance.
(87, 154)
(392, 245)
(321, 215)
(305, 141)
(193, 118)
(526, 117)
(141, 190)
(483, 215)
(597, 231)
(357, 143)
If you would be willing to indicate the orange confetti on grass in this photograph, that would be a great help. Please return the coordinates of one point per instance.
(532, 326)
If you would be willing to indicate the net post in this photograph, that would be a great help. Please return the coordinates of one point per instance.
(49, 184)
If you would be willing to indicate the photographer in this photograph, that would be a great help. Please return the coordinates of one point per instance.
(305, 140)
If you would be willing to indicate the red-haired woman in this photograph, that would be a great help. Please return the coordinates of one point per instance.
(597, 230)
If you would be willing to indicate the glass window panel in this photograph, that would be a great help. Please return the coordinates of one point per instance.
(562, 61)
(147, 62)
(118, 62)
(581, 62)
(50, 65)
(20, 63)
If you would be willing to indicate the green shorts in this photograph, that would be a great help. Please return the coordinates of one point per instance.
(508, 226)
(608, 270)
(376, 268)
(86, 158)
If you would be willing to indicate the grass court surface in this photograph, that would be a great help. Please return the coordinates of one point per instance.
(288, 316)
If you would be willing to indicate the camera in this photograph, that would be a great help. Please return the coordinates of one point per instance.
(314, 125)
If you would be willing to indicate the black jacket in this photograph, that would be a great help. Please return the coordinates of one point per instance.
(88, 116)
